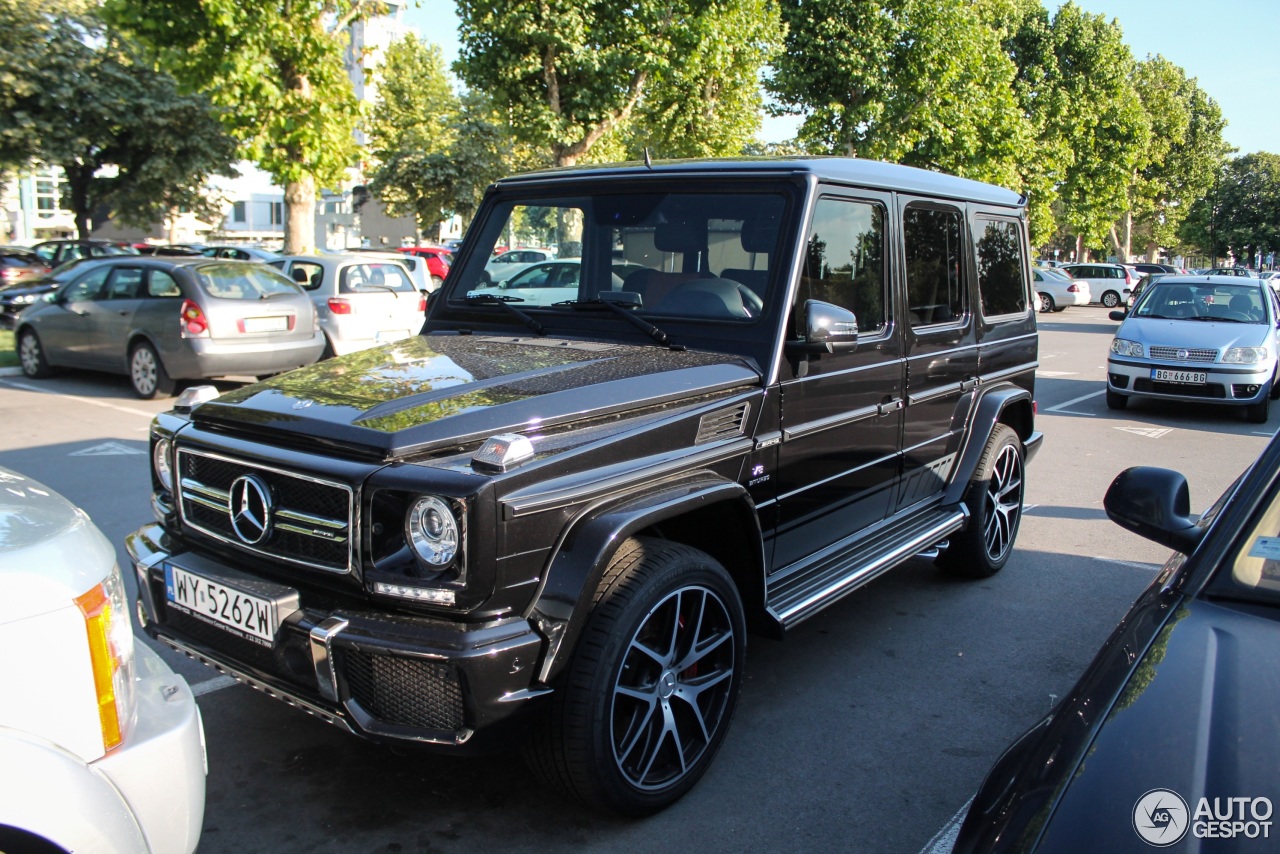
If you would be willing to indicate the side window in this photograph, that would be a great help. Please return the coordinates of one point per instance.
(308, 276)
(126, 283)
(161, 284)
(844, 261)
(999, 254)
(932, 237)
(90, 286)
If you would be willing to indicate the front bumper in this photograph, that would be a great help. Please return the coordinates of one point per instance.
(378, 674)
(1230, 384)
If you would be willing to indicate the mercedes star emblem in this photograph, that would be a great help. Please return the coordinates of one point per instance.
(250, 508)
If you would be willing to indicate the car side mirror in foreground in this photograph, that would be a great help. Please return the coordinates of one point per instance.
(827, 329)
(1116, 315)
(1154, 503)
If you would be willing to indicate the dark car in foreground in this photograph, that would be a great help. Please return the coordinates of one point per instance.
(1169, 739)
(159, 320)
(554, 523)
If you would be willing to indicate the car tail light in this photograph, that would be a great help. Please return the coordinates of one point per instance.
(422, 302)
(337, 305)
(194, 323)
(110, 634)
(8, 274)
(1072, 289)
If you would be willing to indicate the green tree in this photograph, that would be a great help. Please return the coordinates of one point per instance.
(77, 97)
(922, 82)
(276, 68)
(1244, 208)
(567, 74)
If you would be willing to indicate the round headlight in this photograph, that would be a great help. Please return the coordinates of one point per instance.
(432, 531)
(160, 462)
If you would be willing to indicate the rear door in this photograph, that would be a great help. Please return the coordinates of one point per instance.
(113, 317)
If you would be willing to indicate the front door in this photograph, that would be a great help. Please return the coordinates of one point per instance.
(841, 413)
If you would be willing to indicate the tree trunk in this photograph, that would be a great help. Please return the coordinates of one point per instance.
(300, 217)
(1128, 237)
(1081, 254)
(78, 178)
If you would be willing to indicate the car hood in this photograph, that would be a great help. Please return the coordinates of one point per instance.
(1193, 334)
(430, 392)
(1196, 717)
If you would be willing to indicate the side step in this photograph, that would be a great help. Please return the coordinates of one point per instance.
(845, 566)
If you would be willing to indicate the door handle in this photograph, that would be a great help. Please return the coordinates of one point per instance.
(969, 384)
(889, 406)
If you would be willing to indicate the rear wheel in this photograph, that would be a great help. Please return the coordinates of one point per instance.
(1111, 299)
(31, 355)
(994, 500)
(436, 282)
(1115, 400)
(1046, 303)
(646, 700)
(146, 373)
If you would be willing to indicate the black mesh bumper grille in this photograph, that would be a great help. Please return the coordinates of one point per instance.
(404, 691)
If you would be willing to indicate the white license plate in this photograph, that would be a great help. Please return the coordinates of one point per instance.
(266, 324)
(1186, 377)
(391, 335)
(250, 616)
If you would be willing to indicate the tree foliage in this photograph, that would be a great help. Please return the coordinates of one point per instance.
(276, 68)
(76, 96)
(569, 74)
(1240, 215)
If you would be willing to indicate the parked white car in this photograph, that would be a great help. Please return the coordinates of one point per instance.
(1109, 284)
(101, 744)
(505, 265)
(1056, 290)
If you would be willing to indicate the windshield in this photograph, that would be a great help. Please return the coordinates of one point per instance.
(1202, 302)
(1255, 572)
(683, 255)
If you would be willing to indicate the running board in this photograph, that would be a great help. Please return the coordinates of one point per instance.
(844, 567)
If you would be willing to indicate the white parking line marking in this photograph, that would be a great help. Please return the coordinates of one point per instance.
(944, 840)
(1061, 407)
(79, 399)
(1149, 432)
(208, 686)
(1051, 374)
(106, 449)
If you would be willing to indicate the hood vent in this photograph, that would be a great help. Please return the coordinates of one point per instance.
(722, 424)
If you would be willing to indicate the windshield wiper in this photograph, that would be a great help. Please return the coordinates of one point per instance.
(504, 302)
(638, 322)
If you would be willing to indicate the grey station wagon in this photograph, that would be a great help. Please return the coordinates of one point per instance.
(165, 319)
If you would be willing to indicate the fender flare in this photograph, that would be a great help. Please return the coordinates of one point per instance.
(587, 545)
(989, 411)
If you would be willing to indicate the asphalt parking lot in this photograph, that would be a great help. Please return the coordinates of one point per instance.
(867, 729)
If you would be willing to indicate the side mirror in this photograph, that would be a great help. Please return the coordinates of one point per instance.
(827, 329)
(1116, 315)
(1153, 503)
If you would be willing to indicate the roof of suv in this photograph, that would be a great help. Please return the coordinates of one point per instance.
(847, 170)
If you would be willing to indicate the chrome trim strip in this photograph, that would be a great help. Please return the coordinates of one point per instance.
(294, 529)
(299, 516)
(212, 505)
(831, 421)
(567, 496)
(933, 393)
(845, 473)
(322, 655)
(275, 555)
(909, 549)
(207, 491)
(1010, 372)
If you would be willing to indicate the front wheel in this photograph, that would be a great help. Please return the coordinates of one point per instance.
(994, 499)
(1258, 413)
(1111, 299)
(1116, 400)
(31, 356)
(647, 698)
(1046, 303)
(147, 374)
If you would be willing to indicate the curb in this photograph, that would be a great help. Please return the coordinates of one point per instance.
(10, 372)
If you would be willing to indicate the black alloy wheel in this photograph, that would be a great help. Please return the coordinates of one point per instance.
(994, 499)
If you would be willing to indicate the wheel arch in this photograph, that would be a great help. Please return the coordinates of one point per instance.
(1008, 404)
(704, 511)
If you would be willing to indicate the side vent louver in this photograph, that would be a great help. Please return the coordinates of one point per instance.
(722, 424)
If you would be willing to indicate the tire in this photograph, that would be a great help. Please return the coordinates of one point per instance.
(147, 374)
(1110, 299)
(1258, 413)
(1275, 385)
(436, 282)
(1046, 303)
(1115, 400)
(31, 356)
(994, 499)
(647, 698)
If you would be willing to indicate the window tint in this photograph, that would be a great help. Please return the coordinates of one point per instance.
(309, 276)
(90, 287)
(238, 280)
(388, 276)
(126, 283)
(161, 284)
(844, 261)
(999, 254)
(935, 265)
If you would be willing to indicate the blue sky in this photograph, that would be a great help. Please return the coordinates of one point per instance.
(1229, 46)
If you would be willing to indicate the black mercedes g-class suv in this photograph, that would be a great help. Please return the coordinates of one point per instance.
(741, 390)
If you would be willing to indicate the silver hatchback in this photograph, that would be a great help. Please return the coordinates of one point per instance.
(159, 320)
(361, 299)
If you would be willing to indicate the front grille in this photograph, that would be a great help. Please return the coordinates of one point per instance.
(1210, 390)
(1174, 353)
(404, 691)
(310, 525)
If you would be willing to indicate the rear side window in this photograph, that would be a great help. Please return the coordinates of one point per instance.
(161, 284)
(936, 290)
(844, 261)
(240, 280)
(998, 249)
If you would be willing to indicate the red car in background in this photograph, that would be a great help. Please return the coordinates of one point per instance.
(438, 261)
